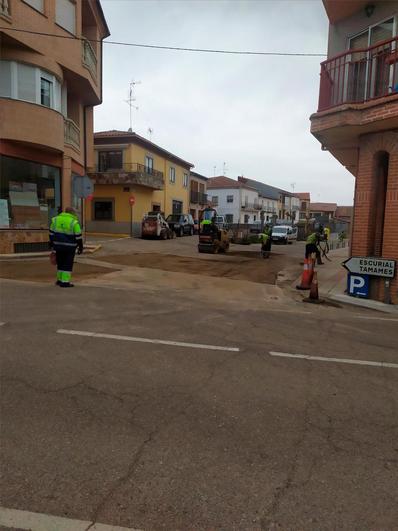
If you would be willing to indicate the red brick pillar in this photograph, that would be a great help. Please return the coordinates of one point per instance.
(368, 201)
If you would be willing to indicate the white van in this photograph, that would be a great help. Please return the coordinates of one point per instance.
(284, 234)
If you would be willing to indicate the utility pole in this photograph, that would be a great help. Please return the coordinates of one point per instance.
(130, 101)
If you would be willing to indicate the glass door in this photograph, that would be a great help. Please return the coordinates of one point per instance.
(381, 71)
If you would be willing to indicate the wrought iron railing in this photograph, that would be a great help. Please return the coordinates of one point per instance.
(199, 198)
(251, 206)
(89, 58)
(127, 167)
(5, 8)
(71, 133)
(357, 76)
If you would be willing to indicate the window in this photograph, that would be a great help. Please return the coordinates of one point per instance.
(230, 198)
(29, 83)
(45, 92)
(155, 207)
(110, 160)
(214, 200)
(229, 218)
(36, 4)
(246, 218)
(30, 194)
(172, 175)
(148, 164)
(103, 209)
(185, 180)
(177, 207)
(65, 15)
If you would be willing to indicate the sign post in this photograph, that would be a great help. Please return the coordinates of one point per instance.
(132, 202)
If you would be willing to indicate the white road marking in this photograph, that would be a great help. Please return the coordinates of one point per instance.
(15, 518)
(375, 318)
(336, 360)
(146, 340)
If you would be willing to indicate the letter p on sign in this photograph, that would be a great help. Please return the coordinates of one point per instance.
(358, 285)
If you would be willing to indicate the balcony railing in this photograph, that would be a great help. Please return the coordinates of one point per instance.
(89, 58)
(198, 198)
(357, 76)
(5, 8)
(71, 133)
(251, 206)
(127, 173)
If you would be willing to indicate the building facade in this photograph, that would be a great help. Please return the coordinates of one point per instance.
(305, 200)
(49, 86)
(128, 165)
(357, 121)
(198, 193)
(237, 201)
(323, 211)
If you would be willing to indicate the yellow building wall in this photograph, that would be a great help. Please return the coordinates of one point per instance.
(122, 208)
(144, 197)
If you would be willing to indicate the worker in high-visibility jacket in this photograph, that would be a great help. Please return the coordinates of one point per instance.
(65, 237)
(265, 239)
(312, 247)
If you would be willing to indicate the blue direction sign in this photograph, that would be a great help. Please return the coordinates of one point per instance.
(358, 285)
(83, 186)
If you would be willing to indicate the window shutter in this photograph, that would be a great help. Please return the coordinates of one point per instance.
(5, 79)
(66, 15)
(26, 83)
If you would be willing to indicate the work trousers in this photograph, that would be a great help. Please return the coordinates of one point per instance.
(65, 256)
(312, 248)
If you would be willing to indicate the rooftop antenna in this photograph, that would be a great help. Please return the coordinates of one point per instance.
(130, 101)
(293, 185)
(224, 168)
(150, 132)
(214, 170)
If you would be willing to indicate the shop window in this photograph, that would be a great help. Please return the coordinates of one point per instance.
(103, 209)
(29, 195)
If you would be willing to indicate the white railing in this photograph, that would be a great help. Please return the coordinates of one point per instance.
(5, 8)
(89, 58)
(72, 133)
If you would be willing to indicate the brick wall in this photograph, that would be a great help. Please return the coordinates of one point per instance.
(369, 235)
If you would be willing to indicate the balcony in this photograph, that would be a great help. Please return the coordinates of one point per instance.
(358, 76)
(71, 133)
(89, 59)
(198, 198)
(251, 206)
(128, 174)
(5, 8)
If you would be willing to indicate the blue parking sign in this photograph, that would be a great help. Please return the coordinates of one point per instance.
(358, 285)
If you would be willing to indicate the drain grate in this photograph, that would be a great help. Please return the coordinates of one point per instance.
(30, 247)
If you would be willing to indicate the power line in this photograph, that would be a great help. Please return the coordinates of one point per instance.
(173, 48)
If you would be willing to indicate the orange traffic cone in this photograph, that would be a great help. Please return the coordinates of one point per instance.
(306, 277)
(314, 296)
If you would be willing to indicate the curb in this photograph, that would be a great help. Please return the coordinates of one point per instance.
(89, 249)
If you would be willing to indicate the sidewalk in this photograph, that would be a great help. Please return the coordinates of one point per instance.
(332, 283)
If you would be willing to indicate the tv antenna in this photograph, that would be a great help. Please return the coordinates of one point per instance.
(224, 168)
(130, 101)
(293, 185)
(150, 132)
(214, 170)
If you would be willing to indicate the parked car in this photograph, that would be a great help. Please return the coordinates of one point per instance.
(155, 226)
(181, 224)
(284, 234)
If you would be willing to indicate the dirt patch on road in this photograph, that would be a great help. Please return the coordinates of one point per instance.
(43, 271)
(239, 265)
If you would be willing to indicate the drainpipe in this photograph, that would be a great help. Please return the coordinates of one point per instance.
(85, 170)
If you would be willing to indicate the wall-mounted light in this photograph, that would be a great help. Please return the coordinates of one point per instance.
(369, 9)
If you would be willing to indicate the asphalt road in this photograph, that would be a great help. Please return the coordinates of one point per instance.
(158, 436)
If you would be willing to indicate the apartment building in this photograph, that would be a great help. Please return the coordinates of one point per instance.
(305, 200)
(235, 200)
(357, 122)
(323, 211)
(198, 193)
(49, 85)
(128, 165)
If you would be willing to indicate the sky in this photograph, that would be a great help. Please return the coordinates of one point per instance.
(249, 112)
